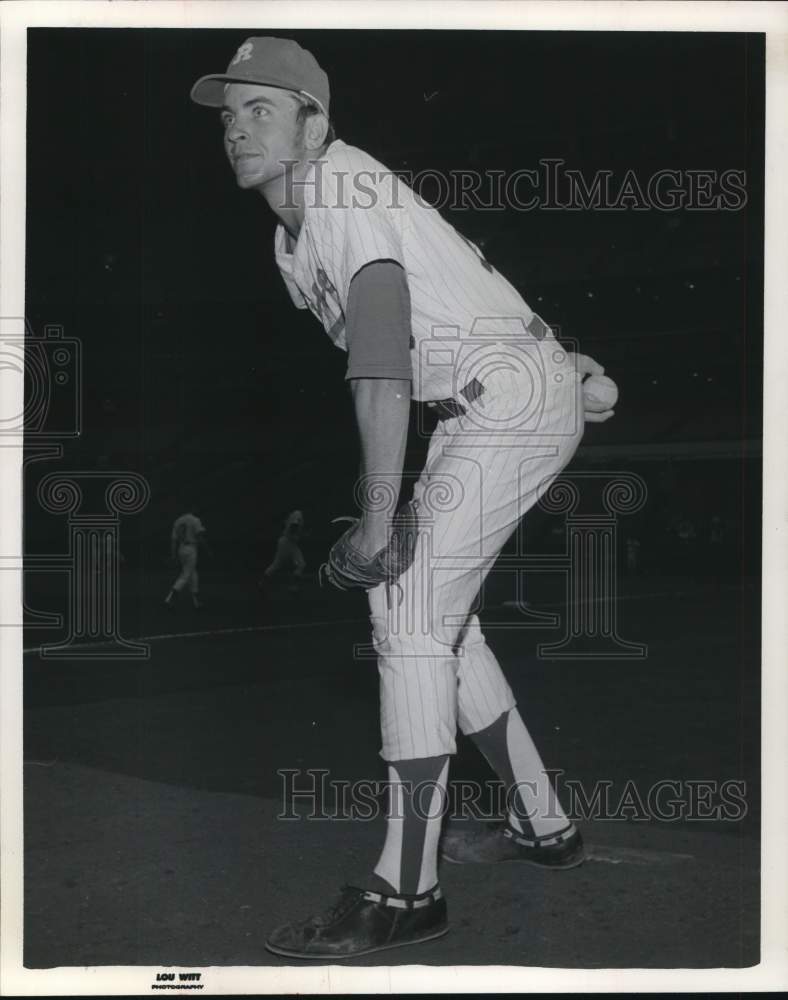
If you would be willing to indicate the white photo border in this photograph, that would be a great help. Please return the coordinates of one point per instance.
(771, 18)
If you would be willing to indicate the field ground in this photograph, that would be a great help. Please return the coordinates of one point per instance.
(152, 795)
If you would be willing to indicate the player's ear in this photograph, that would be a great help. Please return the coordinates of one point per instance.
(315, 131)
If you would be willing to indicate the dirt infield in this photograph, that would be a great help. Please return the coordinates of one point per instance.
(153, 801)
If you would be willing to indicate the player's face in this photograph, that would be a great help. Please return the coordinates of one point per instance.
(261, 133)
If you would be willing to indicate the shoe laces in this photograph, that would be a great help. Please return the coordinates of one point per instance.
(347, 898)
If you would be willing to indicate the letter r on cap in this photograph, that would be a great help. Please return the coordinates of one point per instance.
(243, 53)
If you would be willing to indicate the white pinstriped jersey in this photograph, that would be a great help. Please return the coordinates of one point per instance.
(358, 211)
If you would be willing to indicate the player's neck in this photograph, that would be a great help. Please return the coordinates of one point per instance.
(286, 195)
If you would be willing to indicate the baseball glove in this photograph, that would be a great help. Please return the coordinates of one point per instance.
(348, 568)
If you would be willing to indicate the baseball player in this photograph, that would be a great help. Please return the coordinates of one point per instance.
(423, 316)
(188, 534)
(289, 559)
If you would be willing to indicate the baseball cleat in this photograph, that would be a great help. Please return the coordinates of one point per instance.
(502, 843)
(361, 922)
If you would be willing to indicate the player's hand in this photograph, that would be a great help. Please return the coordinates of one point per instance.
(365, 537)
(350, 566)
(585, 365)
(370, 535)
(592, 417)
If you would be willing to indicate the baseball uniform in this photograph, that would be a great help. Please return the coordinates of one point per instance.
(412, 301)
(187, 532)
(484, 469)
(288, 557)
(466, 321)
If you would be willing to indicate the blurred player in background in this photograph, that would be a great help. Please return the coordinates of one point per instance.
(289, 562)
(186, 539)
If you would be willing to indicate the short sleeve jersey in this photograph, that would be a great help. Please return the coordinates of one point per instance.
(357, 211)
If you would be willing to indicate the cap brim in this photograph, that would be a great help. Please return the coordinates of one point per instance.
(209, 90)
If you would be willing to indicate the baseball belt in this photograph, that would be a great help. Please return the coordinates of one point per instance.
(448, 408)
(445, 409)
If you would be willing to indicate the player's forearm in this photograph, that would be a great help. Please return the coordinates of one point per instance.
(382, 408)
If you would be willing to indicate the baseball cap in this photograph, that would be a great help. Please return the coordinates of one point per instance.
(271, 62)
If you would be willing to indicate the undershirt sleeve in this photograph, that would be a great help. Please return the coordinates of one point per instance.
(377, 322)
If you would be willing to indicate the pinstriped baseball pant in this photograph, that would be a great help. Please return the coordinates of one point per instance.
(483, 472)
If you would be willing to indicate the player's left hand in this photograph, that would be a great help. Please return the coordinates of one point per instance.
(369, 536)
(350, 566)
(585, 365)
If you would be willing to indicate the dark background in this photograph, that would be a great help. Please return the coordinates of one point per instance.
(157, 780)
(198, 372)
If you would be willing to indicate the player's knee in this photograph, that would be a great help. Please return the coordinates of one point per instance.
(397, 643)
